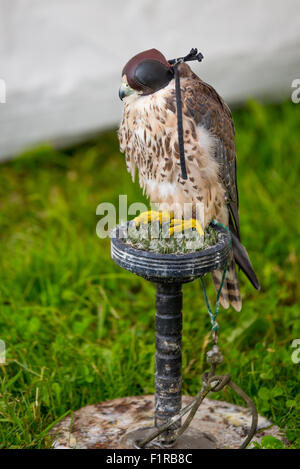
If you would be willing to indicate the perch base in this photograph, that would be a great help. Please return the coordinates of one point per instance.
(117, 423)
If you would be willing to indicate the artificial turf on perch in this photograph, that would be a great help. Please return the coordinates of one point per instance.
(154, 237)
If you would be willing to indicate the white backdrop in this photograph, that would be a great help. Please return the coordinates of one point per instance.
(61, 59)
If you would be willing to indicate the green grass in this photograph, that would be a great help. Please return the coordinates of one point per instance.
(79, 330)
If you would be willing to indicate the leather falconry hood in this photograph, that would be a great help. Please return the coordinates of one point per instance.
(148, 71)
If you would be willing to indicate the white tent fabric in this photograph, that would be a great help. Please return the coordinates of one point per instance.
(60, 60)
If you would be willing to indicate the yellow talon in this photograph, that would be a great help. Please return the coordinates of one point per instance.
(166, 216)
(177, 225)
(153, 216)
(146, 217)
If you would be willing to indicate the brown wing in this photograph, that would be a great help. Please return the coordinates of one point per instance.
(207, 108)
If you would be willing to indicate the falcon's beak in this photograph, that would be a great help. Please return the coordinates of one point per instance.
(125, 90)
(121, 93)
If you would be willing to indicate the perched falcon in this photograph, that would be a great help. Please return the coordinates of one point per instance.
(148, 135)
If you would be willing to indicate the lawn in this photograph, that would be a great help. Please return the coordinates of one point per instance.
(79, 330)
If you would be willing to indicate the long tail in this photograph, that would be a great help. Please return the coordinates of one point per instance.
(231, 291)
(242, 259)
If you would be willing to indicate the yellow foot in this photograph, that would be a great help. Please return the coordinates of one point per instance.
(153, 216)
(177, 225)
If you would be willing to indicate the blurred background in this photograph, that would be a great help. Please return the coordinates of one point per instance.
(77, 329)
(61, 59)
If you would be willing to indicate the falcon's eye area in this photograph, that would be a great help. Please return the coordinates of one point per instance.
(153, 75)
(125, 85)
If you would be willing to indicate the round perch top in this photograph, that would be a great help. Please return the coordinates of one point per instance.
(158, 267)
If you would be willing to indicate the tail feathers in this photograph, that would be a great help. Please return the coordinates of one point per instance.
(242, 259)
(230, 293)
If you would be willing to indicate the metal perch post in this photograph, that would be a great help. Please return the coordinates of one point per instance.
(168, 320)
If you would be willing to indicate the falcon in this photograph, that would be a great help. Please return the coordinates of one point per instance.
(149, 137)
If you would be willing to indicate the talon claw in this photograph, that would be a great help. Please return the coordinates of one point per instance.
(176, 224)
